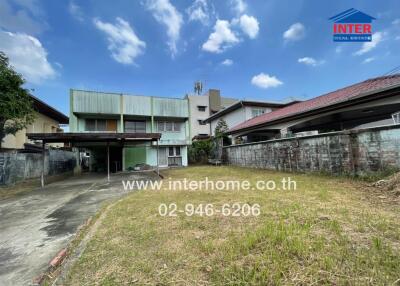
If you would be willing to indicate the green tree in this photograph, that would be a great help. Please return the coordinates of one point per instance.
(220, 138)
(221, 128)
(199, 151)
(16, 106)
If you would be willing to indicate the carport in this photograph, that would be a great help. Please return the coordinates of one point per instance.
(98, 137)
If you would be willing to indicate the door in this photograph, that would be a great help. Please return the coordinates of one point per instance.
(174, 156)
(162, 157)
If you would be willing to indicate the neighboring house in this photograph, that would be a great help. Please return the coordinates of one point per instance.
(100, 112)
(241, 111)
(370, 103)
(201, 107)
(47, 120)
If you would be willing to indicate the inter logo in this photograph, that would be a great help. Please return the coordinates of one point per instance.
(352, 26)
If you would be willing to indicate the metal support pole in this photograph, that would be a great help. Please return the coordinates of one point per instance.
(158, 168)
(108, 161)
(43, 164)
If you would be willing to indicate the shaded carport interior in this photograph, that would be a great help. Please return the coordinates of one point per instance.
(93, 137)
(349, 119)
(341, 120)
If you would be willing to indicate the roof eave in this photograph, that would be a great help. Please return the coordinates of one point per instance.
(49, 111)
(241, 103)
(362, 97)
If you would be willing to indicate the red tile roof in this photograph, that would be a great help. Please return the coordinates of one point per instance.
(341, 95)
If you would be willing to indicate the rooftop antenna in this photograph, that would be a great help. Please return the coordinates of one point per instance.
(198, 87)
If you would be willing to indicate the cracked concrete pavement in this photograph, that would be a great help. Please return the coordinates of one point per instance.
(34, 226)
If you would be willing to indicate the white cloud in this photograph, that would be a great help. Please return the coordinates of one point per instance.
(368, 46)
(199, 11)
(396, 22)
(221, 39)
(249, 26)
(165, 13)
(21, 17)
(32, 6)
(263, 80)
(75, 11)
(123, 43)
(295, 32)
(339, 49)
(368, 60)
(239, 6)
(310, 61)
(227, 62)
(27, 56)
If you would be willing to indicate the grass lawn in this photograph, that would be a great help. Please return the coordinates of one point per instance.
(329, 231)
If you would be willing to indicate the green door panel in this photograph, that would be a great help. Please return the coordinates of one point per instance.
(133, 156)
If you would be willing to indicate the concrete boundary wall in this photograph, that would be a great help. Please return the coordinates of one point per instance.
(354, 152)
(16, 167)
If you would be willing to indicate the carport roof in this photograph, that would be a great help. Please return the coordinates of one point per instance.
(93, 137)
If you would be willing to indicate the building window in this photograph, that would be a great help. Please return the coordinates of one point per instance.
(174, 151)
(90, 125)
(169, 126)
(201, 122)
(135, 126)
(201, 108)
(177, 126)
(101, 125)
(160, 126)
(257, 112)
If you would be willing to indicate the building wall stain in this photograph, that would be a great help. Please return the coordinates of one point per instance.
(15, 167)
(356, 152)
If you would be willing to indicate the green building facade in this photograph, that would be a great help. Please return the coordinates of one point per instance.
(112, 112)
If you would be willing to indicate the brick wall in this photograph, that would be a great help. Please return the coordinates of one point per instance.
(347, 152)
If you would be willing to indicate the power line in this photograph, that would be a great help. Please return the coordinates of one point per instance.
(392, 71)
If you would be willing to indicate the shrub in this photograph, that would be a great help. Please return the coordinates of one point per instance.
(200, 151)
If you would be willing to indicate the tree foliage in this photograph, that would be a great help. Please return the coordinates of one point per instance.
(221, 128)
(16, 106)
(220, 139)
(199, 151)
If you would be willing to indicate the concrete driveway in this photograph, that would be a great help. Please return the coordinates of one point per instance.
(35, 226)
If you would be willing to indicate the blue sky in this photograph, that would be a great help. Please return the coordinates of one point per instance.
(262, 50)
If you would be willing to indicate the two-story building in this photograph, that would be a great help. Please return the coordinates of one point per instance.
(100, 112)
(241, 111)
